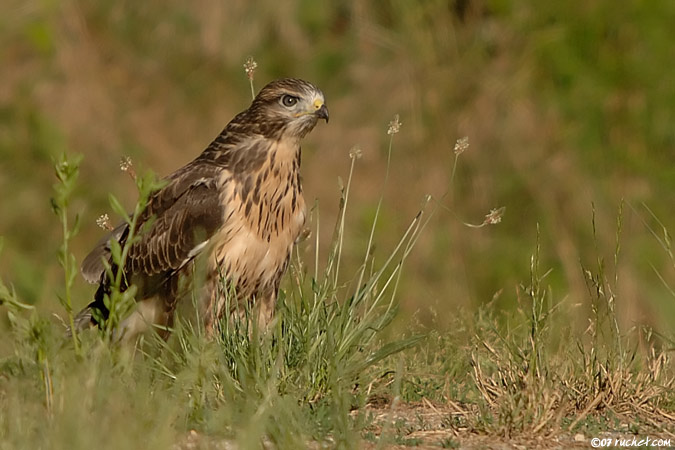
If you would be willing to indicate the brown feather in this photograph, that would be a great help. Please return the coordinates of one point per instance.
(239, 204)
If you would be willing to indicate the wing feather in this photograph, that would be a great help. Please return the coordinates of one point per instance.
(190, 221)
(93, 265)
(181, 216)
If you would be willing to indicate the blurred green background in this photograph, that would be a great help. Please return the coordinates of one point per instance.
(566, 105)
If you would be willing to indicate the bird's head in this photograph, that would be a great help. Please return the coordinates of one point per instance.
(290, 107)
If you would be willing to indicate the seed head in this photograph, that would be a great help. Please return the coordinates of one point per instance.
(461, 145)
(394, 126)
(355, 152)
(125, 163)
(103, 221)
(249, 67)
(494, 216)
(127, 166)
(491, 218)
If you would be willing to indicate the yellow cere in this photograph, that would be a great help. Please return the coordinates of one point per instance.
(318, 103)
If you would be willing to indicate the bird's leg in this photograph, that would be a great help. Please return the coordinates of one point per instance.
(212, 307)
(265, 306)
(219, 296)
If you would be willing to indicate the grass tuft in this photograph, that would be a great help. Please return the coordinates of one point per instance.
(328, 371)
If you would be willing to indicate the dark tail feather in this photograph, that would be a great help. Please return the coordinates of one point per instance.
(85, 318)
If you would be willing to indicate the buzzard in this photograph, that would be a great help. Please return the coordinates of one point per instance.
(238, 207)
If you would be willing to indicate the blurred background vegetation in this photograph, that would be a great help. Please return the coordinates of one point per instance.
(566, 105)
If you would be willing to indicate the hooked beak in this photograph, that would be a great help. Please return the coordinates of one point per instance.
(322, 113)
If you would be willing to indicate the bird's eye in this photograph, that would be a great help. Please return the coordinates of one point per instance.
(289, 100)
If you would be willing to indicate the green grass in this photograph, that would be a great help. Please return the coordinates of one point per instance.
(556, 322)
(294, 383)
(329, 371)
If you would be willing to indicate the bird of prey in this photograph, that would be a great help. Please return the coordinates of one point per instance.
(238, 207)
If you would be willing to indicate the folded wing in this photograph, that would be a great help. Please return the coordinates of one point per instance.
(176, 224)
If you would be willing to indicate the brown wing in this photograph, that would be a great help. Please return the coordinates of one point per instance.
(93, 266)
(178, 219)
(179, 231)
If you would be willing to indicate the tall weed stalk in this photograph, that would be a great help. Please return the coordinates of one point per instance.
(67, 170)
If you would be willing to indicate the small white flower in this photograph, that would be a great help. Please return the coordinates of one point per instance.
(104, 222)
(491, 218)
(249, 66)
(394, 126)
(494, 216)
(127, 166)
(461, 145)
